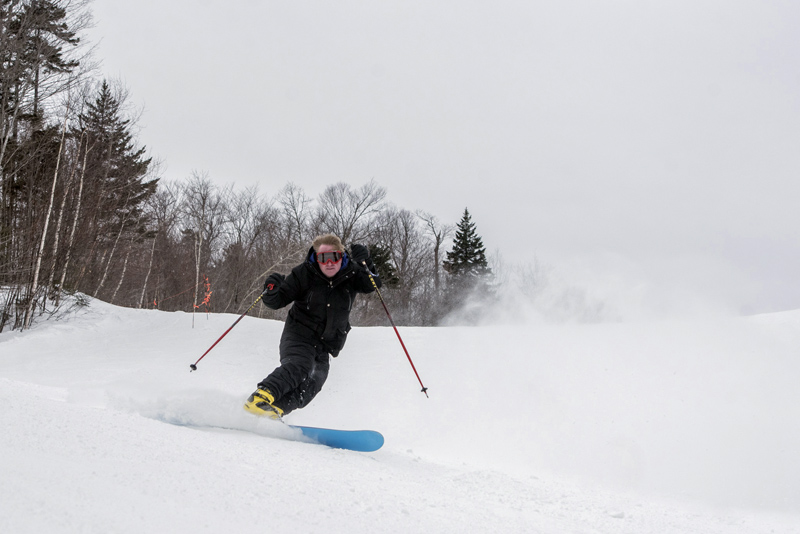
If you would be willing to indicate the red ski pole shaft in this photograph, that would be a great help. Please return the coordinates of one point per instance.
(193, 366)
(389, 315)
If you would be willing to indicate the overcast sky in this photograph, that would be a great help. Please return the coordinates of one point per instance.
(644, 147)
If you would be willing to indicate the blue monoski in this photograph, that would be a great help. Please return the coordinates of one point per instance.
(354, 440)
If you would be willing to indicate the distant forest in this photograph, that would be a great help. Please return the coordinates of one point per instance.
(83, 211)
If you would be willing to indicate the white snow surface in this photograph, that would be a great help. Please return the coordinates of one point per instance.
(654, 427)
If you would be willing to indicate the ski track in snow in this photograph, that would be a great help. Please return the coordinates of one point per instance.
(640, 428)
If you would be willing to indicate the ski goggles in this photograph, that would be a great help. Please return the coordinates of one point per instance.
(329, 257)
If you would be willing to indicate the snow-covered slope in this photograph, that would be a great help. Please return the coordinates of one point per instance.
(643, 428)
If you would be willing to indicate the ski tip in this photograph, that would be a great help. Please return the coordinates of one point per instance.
(354, 440)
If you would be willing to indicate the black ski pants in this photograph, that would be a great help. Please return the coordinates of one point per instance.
(301, 375)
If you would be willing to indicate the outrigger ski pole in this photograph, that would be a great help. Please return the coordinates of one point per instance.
(193, 366)
(378, 291)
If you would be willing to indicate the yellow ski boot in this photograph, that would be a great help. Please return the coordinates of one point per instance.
(260, 403)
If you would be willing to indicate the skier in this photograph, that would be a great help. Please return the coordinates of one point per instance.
(323, 289)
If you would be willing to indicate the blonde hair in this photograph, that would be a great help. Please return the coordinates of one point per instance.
(327, 239)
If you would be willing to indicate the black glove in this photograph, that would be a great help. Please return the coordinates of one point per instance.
(360, 254)
(273, 282)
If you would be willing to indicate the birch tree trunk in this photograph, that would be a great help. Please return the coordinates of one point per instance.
(74, 223)
(35, 285)
(57, 236)
(147, 275)
(110, 259)
(198, 251)
(125, 265)
(122, 276)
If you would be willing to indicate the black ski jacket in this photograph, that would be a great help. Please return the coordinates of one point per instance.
(321, 310)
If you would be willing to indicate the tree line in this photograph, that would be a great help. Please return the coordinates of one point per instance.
(83, 211)
(209, 246)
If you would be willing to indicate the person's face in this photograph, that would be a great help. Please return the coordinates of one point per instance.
(329, 268)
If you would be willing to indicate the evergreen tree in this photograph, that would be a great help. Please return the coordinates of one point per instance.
(49, 33)
(383, 265)
(469, 281)
(468, 257)
(36, 47)
(116, 185)
(116, 166)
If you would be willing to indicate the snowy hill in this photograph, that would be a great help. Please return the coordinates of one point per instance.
(642, 428)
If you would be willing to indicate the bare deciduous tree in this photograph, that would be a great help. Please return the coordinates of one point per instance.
(204, 214)
(345, 211)
(296, 211)
(439, 233)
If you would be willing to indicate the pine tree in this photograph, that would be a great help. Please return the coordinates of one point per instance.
(468, 257)
(469, 280)
(116, 182)
(117, 167)
(383, 265)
